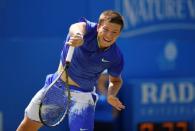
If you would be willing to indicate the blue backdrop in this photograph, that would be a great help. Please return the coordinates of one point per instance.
(158, 44)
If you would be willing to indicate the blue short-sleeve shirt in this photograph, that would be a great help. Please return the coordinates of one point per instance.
(89, 60)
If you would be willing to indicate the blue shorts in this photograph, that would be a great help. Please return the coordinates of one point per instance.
(82, 109)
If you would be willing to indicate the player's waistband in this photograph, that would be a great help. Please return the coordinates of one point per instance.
(73, 87)
(80, 95)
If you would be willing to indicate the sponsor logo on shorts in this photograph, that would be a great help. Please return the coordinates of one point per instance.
(82, 129)
(105, 61)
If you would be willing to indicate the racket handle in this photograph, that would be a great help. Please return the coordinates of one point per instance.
(69, 56)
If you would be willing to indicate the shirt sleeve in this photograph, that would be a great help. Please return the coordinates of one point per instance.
(91, 28)
(117, 67)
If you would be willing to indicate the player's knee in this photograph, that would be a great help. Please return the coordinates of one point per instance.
(28, 125)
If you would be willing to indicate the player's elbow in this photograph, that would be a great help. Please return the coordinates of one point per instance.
(120, 82)
(117, 83)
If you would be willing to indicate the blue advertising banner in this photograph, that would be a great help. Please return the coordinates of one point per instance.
(146, 16)
(160, 100)
(158, 37)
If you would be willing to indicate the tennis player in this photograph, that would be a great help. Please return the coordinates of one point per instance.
(96, 50)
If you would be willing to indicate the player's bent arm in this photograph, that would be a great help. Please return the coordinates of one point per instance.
(115, 84)
(102, 86)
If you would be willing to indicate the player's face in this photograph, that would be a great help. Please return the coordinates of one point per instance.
(108, 33)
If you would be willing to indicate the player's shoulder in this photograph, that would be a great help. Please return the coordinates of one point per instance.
(88, 22)
(116, 50)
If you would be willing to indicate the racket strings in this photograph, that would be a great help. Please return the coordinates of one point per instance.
(55, 96)
(54, 106)
(55, 103)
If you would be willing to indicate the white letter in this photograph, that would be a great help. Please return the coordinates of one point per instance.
(146, 10)
(149, 93)
(130, 13)
(180, 9)
(168, 92)
(159, 10)
(191, 6)
(186, 92)
(170, 8)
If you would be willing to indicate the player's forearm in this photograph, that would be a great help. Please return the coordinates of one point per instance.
(113, 90)
(114, 87)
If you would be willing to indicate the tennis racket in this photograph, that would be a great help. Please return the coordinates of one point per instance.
(56, 98)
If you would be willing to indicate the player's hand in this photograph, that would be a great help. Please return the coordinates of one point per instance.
(115, 102)
(76, 40)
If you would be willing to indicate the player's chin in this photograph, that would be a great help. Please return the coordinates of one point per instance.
(107, 45)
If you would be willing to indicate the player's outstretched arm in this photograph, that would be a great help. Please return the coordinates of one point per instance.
(113, 89)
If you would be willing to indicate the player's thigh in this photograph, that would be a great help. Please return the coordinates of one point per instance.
(81, 117)
(29, 125)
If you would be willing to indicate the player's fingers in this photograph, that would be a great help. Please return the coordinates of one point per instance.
(76, 37)
(119, 109)
(120, 105)
(75, 42)
(114, 101)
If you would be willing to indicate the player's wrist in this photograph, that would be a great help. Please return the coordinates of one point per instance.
(110, 97)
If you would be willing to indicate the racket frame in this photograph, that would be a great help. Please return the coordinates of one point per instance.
(65, 68)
